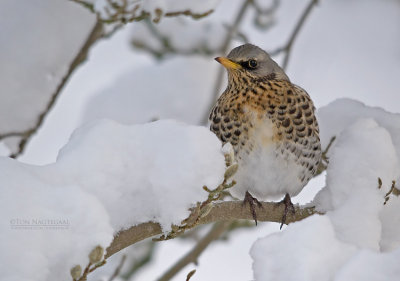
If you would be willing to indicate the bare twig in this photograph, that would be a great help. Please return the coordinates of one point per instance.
(190, 274)
(166, 47)
(325, 152)
(379, 183)
(96, 260)
(140, 261)
(125, 11)
(288, 46)
(12, 134)
(118, 269)
(191, 257)
(25, 135)
(222, 211)
(263, 13)
(87, 5)
(224, 48)
(189, 14)
(89, 269)
(323, 164)
(393, 190)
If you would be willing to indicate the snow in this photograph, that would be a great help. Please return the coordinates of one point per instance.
(355, 52)
(33, 63)
(346, 49)
(358, 229)
(107, 178)
(304, 251)
(369, 265)
(342, 112)
(148, 161)
(47, 253)
(174, 90)
(364, 152)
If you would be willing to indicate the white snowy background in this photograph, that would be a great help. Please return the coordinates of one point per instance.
(101, 165)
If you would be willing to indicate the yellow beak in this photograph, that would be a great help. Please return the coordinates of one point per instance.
(227, 63)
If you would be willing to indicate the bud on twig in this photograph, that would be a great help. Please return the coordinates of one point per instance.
(230, 171)
(229, 154)
(76, 272)
(96, 255)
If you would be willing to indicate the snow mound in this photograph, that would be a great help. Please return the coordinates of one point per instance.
(108, 177)
(343, 112)
(151, 172)
(358, 231)
(304, 251)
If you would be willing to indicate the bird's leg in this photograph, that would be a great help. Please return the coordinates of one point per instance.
(248, 198)
(288, 207)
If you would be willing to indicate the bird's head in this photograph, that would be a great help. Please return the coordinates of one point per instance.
(250, 60)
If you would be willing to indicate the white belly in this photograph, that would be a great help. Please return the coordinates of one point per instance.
(263, 170)
(267, 174)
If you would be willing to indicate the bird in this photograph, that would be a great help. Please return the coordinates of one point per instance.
(271, 125)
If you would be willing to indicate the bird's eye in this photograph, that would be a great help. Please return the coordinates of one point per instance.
(252, 63)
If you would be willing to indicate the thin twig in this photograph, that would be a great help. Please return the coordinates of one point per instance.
(393, 190)
(288, 46)
(118, 269)
(323, 164)
(189, 14)
(224, 48)
(12, 134)
(190, 274)
(166, 47)
(25, 135)
(191, 257)
(140, 261)
(122, 12)
(261, 13)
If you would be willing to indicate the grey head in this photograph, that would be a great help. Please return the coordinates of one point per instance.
(256, 62)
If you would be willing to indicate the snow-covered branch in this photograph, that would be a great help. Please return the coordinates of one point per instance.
(120, 180)
(222, 211)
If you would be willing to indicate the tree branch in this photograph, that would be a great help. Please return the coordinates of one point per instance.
(118, 269)
(222, 211)
(323, 164)
(191, 257)
(166, 46)
(25, 135)
(125, 11)
(288, 46)
(119, 16)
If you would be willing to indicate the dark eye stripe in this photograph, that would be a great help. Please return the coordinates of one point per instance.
(246, 64)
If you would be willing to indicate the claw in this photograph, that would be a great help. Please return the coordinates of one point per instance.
(248, 198)
(288, 207)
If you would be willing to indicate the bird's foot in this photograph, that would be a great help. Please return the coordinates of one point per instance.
(248, 198)
(289, 207)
